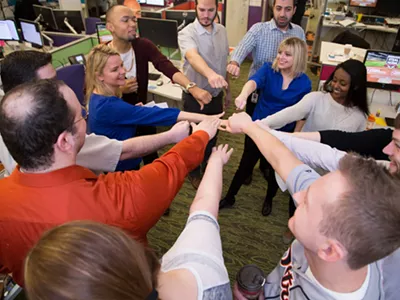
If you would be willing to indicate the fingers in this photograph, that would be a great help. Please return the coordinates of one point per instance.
(193, 125)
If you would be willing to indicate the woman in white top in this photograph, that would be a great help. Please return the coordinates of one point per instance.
(92, 261)
(342, 105)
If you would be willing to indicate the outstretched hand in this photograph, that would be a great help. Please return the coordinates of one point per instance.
(209, 125)
(221, 153)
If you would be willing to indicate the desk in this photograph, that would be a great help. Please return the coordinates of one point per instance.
(379, 37)
(360, 27)
(333, 48)
(168, 92)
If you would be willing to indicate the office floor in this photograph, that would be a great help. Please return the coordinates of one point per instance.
(247, 236)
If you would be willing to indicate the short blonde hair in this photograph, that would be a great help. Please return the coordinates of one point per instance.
(298, 48)
(95, 64)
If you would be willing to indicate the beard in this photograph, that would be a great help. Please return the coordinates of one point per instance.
(210, 20)
(282, 24)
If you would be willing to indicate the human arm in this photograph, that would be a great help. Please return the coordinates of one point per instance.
(366, 143)
(209, 192)
(196, 118)
(6, 159)
(257, 81)
(299, 111)
(311, 136)
(278, 155)
(144, 195)
(201, 96)
(143, 145)
(249, 87)
(228, 93)
(131, 86)
(313, 154)
(189, 50)
(246, 46)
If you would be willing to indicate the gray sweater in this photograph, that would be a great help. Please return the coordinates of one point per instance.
(321, 112)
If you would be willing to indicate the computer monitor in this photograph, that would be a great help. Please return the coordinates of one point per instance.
(73, 18)
(180, 16)
(46, 16)
(389, 8)
(155, 2)
(31, 32)
(103, 35)
(8, 31)
(151, 14)
(363, 3)
(383, 69)
(163, 33)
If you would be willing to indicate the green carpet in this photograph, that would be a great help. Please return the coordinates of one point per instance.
(247, 236)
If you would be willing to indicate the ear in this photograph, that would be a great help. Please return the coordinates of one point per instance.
(110, 27)
(332, 251)
(99, 76)
(65, 142)
(294, 9)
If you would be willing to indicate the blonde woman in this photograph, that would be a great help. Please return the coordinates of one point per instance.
(282, 84)
(110, 115)
(91, 261)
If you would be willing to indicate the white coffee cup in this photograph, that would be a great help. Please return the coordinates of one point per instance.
(347, 49)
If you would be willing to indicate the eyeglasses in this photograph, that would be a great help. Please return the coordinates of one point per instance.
(85, 114)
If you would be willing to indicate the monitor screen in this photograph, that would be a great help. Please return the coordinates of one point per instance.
(363, 3)
(103, 35)
(383, 69)
(8, 31)
(47, 15)
(72, 17)
(31, 32)
(155, 2)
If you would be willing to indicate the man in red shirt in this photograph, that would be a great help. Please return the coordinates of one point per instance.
(136, 53)
(43, 127)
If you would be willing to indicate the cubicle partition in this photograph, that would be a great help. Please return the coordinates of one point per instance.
(81, 46)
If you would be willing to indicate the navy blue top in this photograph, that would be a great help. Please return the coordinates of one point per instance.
(272, 98)
(116, 119)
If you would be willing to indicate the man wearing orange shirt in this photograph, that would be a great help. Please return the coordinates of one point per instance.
(48, 188)
(135, 6)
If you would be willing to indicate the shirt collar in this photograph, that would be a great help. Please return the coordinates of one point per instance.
(52, 179)
(201, 30)
(273, 26)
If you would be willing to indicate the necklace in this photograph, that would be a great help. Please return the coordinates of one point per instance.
(133, 56)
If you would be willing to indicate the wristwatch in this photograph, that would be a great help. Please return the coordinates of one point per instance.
(190, 85)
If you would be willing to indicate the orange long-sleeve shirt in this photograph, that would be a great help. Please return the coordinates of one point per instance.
(30, 204)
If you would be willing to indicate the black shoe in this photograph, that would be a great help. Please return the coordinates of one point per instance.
(248, 180)
(227, 202)
(267, 207)
(166, 212)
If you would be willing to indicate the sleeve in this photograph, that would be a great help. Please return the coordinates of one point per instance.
(143, 196)
(366, 143)
(6, 159)
(293, 113)
(301, 178)
(160, 61)
(247, 44)
(186, 41)
(122, 113)
(390, 270)
(313, 154)
(99, 153)
(261, 76)
(199, 248)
